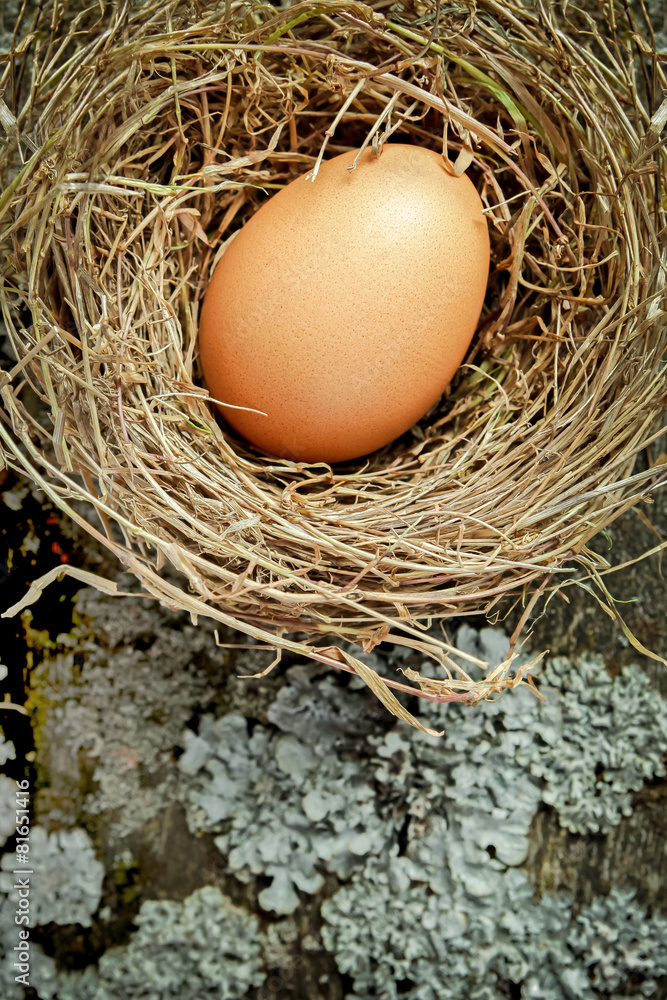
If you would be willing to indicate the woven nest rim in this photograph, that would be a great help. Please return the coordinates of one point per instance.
(146, 144)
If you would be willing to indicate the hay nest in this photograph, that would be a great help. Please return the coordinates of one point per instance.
(151, 133)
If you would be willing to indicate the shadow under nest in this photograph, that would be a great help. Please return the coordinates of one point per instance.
(150, 136)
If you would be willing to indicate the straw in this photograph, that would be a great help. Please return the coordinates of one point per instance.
(143, 143)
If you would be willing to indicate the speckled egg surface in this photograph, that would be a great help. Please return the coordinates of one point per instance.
(344, 306)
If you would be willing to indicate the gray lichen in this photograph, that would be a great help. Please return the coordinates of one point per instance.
(13, 498)
(293, 804)
(317, 709)
(285, 806)
(602, 740)
(203, 948)
(426, 834)
(453, 916)
(397, 939)
(378, 928)
(66, 879)
(122, 709)
(7, 751)
(593, 743)
(466, 789)
(619, 943)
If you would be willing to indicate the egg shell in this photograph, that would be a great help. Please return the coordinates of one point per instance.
(344, 306)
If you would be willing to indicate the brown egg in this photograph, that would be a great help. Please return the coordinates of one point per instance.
(344, 306)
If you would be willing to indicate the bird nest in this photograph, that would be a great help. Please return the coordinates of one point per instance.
(150, 134)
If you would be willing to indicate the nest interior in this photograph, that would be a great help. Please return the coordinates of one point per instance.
(150, 134)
